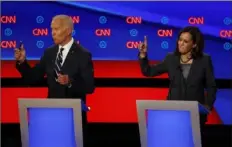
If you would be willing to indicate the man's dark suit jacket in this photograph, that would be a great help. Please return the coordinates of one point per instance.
(200, 76)
(77, 65)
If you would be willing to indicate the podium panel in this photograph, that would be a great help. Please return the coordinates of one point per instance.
(51, 122)
(169, 128)
(168, 123)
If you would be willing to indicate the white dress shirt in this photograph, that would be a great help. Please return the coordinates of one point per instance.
(66, 48)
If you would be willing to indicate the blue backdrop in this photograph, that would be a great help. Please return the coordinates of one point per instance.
(19, 19)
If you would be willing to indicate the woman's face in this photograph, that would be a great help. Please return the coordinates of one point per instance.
(185, 43)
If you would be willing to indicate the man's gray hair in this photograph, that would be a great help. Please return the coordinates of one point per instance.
(68, 22)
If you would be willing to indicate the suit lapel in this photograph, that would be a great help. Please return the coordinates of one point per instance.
(192, 69)
(177, 67)
(68, 60)
(54, 54)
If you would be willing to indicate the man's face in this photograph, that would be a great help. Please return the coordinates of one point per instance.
(59, 31)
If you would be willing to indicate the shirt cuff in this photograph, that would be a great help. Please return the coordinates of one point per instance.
(69, 85)
(145, 57)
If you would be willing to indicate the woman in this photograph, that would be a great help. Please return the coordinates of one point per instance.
(190, 70)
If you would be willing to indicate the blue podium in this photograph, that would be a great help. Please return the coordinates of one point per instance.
(51, 122)
(169, 123)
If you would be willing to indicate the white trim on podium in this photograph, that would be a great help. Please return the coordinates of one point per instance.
(75, 104)
(190, 106)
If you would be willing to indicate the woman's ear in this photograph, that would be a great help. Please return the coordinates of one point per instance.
(195, 45)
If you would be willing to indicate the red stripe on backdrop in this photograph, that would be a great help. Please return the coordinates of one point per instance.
(102, 69)
(107, 104)
(119, 104)
(10, 101)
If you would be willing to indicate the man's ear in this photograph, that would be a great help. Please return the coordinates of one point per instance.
(69, 31)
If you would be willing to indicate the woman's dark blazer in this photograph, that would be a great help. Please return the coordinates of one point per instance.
(200, 77)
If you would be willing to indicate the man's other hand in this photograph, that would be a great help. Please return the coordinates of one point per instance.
(63, 79)
(20, 54)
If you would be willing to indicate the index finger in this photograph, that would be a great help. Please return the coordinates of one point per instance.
(21, 46)
(145, 39)
(61, 75)
(16, 49)
(19, 49)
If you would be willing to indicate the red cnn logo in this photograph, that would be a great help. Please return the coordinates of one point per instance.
(8, 44)
(40, 32)
(164, 33)
(8, 19)
(76, 19)
(196, 20)
(226, 33)
(133, 20)
(133, 44)
(103, 32)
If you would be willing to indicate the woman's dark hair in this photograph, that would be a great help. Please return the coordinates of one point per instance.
(197, 38)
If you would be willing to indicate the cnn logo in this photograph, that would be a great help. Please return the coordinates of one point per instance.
(103, 32)
(8, 44)
(40, 32)
(165, 33)
(196, 20)
(8, 19)
(133, 44)
(133, 20)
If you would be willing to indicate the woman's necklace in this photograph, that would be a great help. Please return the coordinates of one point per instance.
(185, 61)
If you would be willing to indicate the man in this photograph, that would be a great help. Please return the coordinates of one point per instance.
(68, 66)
